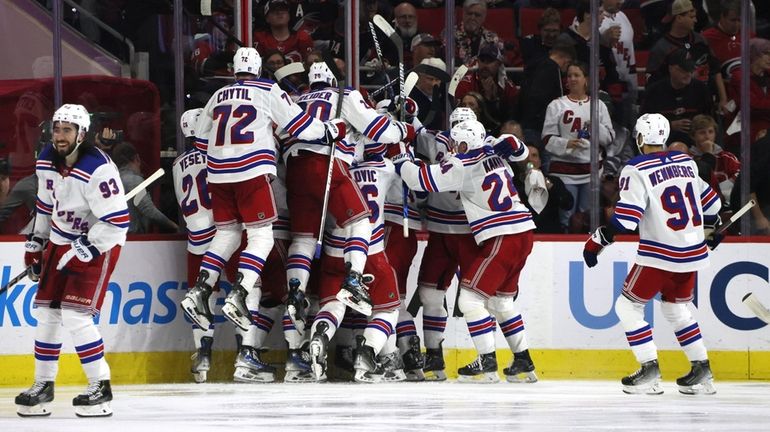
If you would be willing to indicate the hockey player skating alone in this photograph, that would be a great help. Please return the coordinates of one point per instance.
(502, 227)
(676, 213)
(84, 236)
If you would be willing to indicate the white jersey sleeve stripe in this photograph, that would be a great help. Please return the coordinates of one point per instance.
(119, 218)
(298, 124)
(43, 207)
(708, 198)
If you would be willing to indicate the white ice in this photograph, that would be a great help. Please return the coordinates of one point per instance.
(546, 405)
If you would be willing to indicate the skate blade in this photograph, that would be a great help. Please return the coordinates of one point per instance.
(299, 324)
(705, 388)
(246, 375)
(357, 305)
(200, 376)
(188, 306)
(297, 377)
(394, 376)
(524, 377)
(435, 375)
(484, 378)
(650, 389)
(415, 375)
(236, 317)
(366, 377)
(39, 410)
(100, 410)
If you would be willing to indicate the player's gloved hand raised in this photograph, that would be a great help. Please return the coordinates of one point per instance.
(33, 256)
(602, 237)
(335, 130)
(508, 145)
(410, 108)
(399, 159)
(80, 254)
(408, 132)
(713, 239)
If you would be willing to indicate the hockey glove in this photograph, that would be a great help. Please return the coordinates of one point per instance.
(399, 159)
(509, 145)
(713, 239)
(33, 256)
(335, 130)
(80, 254)
(603, 236)
(408, 133)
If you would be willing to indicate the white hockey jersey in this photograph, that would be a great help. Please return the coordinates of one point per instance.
(663, 194)
(374, 177)
(567, 119)
(322, 104)
(281, 226)
(192, 195)
(236, 129)
(485, 184)
(87, 198)
(623, 49)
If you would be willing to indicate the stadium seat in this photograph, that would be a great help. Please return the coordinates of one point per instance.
(528, 18)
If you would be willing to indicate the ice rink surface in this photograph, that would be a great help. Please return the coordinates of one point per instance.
(544, 406)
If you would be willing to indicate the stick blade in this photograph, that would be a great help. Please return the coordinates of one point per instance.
(289, 69)
(456, 78)
(752, 302)
(411, 81)
(384, 25)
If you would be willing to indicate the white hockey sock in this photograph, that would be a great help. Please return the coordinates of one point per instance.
(405, 328)
(48, 341)
(88, 343)
(358, 234)
(332, 314)
(390, 346)
(379, 328)
(507, 314)
(264, 320)
(638, 331)
(251, 337)
(686, 330)
(290, 333)
(434, 315)
(252, 259)
(222, 246)
(481, 326)
(301, 253)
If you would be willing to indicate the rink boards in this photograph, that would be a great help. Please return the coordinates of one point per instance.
(567, 309)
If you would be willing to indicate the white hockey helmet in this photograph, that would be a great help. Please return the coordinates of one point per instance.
(75, 114)
(247, 60)
(189, 121)
(461, 114)
(652, 130)
(320, 72)
(470, 132)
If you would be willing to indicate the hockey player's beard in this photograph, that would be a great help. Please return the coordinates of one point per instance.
(62, 158)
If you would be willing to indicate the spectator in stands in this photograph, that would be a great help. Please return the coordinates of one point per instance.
(566, 134)
(279, 36)
(478, 104)
(679, 97)
(514, 128)
(18, 205)
(542, 85)
(490, 80)
(724, 38)
(618, 34)
(718, 167)
(534, 48)
(579, 33)
(759, 187)
(682, 16)
(759, 85)
(272, 61)
(680, 147)
(424, 45)
(405, 15)
(428, 93)
(470, 34)
(144, 213)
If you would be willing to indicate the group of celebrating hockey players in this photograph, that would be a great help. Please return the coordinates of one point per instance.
(272, 183)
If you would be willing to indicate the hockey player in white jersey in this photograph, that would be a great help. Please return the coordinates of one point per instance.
(502, 227)
(82, 216)
(235, 130)
(307, 162)
(676, 213)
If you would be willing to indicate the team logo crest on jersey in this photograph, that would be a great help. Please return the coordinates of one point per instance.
(261, 215)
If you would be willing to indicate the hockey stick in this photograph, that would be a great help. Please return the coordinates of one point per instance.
(761, 311)
(411, 81)
(734, 218)
(384, 88)
(289, 69)
(156, 175)
(378, 49)
(456, 78)
(329, 60)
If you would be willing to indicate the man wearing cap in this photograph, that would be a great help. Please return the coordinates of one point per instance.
(423, 46)
(682, 16)
(490, 81)
(679, 97)
(470, 34)
(432, 73)
(293, 45)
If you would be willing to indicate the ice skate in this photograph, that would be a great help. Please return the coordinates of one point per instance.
(298, 368)
(235, 308)
(249, 367)
(319, 346)
(483, 370)
(354, 293)
(414, 361)
(434, 364)
(34, 401)
(95, 401)
(522, 369)
(201, 360)
(296, 306)
(366, 368)
(698, 381)
(392, 367)
(646, 380)
(196, 302)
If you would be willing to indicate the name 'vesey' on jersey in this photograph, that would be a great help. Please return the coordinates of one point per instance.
(191, 190)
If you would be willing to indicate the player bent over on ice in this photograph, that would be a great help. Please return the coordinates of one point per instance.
(676, 212)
